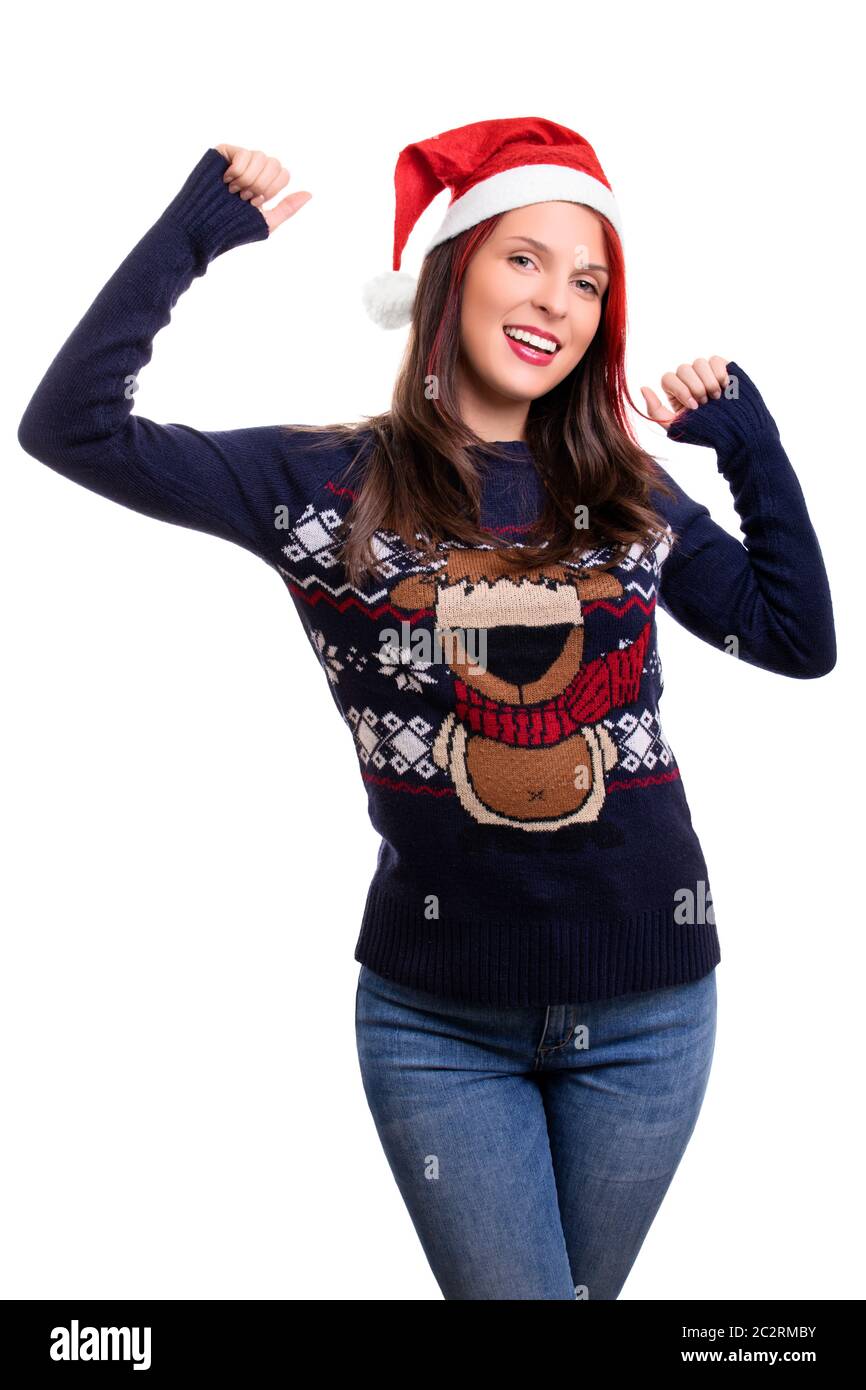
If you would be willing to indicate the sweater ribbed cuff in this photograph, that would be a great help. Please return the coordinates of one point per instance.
(214, 219)
(730, 423)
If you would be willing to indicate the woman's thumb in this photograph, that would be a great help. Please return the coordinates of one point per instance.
(286, 208)
(655, 409)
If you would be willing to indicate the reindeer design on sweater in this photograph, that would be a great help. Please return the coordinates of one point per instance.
(525, 745)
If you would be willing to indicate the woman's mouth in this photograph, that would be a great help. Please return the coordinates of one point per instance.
(531, 345)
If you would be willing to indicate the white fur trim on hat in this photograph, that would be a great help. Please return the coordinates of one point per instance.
(389, 297)
(516, 188)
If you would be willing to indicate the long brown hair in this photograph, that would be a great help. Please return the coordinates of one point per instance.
(417, 478)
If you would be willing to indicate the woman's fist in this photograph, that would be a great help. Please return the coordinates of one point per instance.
(257, 178)
(688, 388)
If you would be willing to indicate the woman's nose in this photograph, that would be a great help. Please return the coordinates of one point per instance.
(552, 300)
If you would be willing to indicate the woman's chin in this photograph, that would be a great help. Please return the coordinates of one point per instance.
(526, 386)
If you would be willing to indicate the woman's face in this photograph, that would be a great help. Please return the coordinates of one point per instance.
(542, 271)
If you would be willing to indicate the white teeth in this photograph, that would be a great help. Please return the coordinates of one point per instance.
(522, 336)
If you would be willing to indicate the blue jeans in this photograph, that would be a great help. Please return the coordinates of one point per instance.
(533, 1146)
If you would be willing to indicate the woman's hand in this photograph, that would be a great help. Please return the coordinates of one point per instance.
(687, 388)
(258, 178)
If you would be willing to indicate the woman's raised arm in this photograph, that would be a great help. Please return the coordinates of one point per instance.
(765, 599)
(80, 420)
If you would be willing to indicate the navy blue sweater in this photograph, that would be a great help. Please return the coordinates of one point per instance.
(536, 842)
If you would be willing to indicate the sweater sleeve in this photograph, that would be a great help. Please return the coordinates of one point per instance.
(80, 420)
(770, 592)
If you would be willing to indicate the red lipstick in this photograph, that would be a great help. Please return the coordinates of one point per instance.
(525, 351)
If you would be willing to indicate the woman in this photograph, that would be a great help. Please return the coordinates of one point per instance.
(478, 570)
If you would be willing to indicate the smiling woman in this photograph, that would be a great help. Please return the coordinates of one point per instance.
(544, 302)
(539, 877)
(528, 259)
(591, 279)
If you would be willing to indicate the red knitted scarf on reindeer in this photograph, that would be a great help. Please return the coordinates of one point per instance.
(608, 682)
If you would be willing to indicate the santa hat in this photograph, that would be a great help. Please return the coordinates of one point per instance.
(490, 167)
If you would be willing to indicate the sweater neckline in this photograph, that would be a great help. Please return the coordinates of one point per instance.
(515, 448)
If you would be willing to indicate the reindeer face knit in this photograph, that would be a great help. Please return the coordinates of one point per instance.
(536, 841)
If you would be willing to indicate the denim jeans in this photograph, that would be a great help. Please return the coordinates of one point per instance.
(533, 1146)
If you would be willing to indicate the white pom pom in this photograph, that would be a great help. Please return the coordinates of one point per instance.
(389, 297)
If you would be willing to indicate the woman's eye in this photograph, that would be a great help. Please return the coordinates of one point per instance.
(520, 257)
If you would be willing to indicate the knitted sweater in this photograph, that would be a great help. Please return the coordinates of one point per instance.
(536, 842)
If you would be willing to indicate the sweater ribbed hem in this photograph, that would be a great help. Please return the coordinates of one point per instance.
(510, 964)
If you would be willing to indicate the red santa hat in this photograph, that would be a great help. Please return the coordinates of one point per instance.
(490, 167)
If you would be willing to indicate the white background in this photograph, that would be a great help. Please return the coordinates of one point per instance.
(186, 842)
